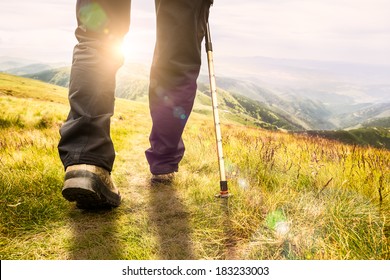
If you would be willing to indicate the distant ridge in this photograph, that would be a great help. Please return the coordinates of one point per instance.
(304, 95)
(58, 76)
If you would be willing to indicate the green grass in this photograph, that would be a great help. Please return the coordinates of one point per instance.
(294, 196)
(367, 136)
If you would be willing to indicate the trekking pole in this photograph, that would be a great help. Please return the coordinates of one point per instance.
(224, 192)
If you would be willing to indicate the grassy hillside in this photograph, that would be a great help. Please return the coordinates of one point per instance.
(368, 136)
(133, 83)
(300, 111)
(251, 103)
(294, 196)
(367, 113)
(381, 122)
(246, 111)
(58, 76)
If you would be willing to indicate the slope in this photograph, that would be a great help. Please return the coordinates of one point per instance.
(379, 122)
(371, 136)
(295, 197)
(314, 95)
(133, 82)
(57, 76)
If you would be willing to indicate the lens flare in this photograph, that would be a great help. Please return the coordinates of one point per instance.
(179, 112)
(282, 228)
(93, 17)
(243, 183)
(277, 221)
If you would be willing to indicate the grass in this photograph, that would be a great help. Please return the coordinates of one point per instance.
(294, 196)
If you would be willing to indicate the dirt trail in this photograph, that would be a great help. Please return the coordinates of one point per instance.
(153, 221)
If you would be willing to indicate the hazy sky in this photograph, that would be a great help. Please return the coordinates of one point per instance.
(338, 30)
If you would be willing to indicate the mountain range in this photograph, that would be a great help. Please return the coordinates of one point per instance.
(294, 95)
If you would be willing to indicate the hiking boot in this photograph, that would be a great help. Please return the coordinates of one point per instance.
(90, 186)
(163, 178)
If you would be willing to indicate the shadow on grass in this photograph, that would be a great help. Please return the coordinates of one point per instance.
(170, 218)
(94, 235)
(230, 241)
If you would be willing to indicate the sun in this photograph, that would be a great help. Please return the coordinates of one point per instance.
(128, 47)
(137, 46)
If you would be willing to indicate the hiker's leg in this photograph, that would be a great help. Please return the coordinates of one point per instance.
(175, 69)
(85, 136)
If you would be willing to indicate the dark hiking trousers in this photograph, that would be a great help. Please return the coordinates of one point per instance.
(102, 24)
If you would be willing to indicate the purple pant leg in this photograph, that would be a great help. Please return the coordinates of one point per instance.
(175, 69)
